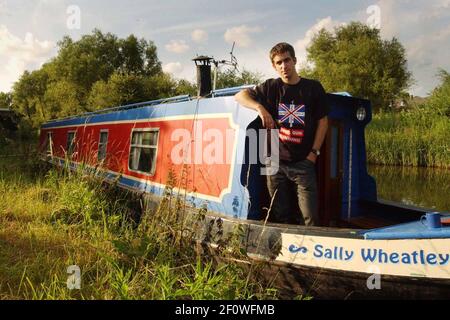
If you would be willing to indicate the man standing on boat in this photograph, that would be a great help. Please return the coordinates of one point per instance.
(298, 108)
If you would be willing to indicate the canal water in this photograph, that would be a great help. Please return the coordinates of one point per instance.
(423, 187)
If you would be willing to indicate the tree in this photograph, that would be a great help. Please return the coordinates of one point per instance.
(120, 89)
(123, 89)
(28, 97)
(185, 87)
(98, 66)
(439, 100)
(233, 78)
(98, 56)
(62, 99)
(5, 100)
(355, 59)
(7, 123)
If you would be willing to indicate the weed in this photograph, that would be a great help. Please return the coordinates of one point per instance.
(54, 218)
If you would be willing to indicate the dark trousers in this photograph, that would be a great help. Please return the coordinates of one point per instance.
(303, 174)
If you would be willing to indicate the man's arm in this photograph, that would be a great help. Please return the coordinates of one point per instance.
(321, 132)
(244, 98)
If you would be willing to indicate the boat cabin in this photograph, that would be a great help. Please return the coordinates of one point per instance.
(210, 146)
(216, 151)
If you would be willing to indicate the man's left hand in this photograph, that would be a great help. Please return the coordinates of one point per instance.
(312, 157)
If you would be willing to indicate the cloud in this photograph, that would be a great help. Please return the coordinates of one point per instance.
(426, 55)
(177, 46)
(438, 9)
(216, 23)
(20, 55)
(241, 35)
(174, 68)
(199, 35)
(3, 7)
(424, 31)
(301, 44)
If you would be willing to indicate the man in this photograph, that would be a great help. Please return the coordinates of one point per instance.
(298, 108)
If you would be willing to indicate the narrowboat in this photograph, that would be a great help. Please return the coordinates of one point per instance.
(365, 247)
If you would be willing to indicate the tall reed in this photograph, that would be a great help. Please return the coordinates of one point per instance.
(54, 218)
(409, 138)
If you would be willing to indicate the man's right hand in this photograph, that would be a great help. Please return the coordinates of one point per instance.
(266, 118)
(244, 98)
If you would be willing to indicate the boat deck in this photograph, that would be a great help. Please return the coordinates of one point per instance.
(367, 222)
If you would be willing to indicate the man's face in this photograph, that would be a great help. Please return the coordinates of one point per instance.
(284, 64)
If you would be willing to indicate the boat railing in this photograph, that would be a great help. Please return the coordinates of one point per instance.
(180, 98)
(230, 91)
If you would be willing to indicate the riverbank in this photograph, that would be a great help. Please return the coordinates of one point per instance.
(56, 225)
(413, 138)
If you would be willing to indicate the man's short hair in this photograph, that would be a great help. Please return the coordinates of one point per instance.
(281, 48)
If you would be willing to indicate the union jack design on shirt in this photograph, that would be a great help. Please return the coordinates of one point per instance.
(291, 114)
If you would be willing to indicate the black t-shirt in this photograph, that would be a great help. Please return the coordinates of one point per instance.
(296, 109)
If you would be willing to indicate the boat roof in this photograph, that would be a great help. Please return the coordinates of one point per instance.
(181, 98)
(409, 230)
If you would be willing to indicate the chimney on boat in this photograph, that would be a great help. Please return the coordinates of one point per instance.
(203, 64)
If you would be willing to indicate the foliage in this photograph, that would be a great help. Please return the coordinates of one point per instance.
(51, 219)
(99, 70)
(439, 100)
(355, 59)
(185, 87)
(234, 78)
(5, 100)
(62, 98)
(417, 137)
(7, 123)
(28, 96)
(97, 56)
(120, 89)
(123, 89)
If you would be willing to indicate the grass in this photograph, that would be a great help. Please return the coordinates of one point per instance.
(409, 138)
(51, 219)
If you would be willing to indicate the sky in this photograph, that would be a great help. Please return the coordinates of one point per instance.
(183, 29)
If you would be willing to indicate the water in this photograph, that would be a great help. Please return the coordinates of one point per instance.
(423, 187)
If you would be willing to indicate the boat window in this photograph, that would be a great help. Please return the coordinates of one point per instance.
(102, 144)
(143, 150)
(70, 142)
(49, 144)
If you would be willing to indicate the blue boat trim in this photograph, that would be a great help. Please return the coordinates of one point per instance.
(129, 106)
(410, 230)
(186, 108)
(230, 91)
